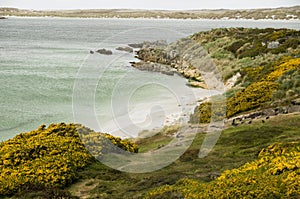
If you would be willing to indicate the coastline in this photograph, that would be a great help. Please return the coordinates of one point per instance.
(171, 55)
(170, 65)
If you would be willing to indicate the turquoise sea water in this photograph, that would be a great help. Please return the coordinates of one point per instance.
(44, 61)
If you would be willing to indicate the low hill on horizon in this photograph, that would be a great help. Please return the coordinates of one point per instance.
(263, 13)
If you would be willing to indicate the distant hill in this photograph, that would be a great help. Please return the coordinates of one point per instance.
(266, 13)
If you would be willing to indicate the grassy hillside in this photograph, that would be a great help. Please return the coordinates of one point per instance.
(52, 161)
(259, 67)
(275, 174)
(236, 146)
(278, 13)
(239, 49)
(274, 85)
(268, 64)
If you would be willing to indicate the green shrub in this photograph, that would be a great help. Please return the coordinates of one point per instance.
(235, 46)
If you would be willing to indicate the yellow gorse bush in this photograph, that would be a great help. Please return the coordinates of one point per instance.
(49, 156)
(275, 174)
(259, 92)
(251, 97)
(283, 68)
(254, 95)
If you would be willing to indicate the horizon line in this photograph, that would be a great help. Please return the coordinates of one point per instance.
(145, 9)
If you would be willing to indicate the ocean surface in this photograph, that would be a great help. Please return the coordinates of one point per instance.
(47, 74)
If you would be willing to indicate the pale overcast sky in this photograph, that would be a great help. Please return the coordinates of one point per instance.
(146, 4)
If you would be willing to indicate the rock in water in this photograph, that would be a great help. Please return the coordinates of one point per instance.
(140, 45)
(126, 49)
(103, 51)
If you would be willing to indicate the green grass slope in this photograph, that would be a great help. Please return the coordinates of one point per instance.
(275, 174)
(236, 147)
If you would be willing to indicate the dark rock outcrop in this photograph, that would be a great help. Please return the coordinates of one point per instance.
(185, 56)
(103, 51)
(140, 45)
(264, 114)
(296, 101)
(154, 67)
(148, 44)
(126, 49)
(154, 44)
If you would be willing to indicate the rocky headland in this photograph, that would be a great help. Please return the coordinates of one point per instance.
(252, 67)
(184, 57)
